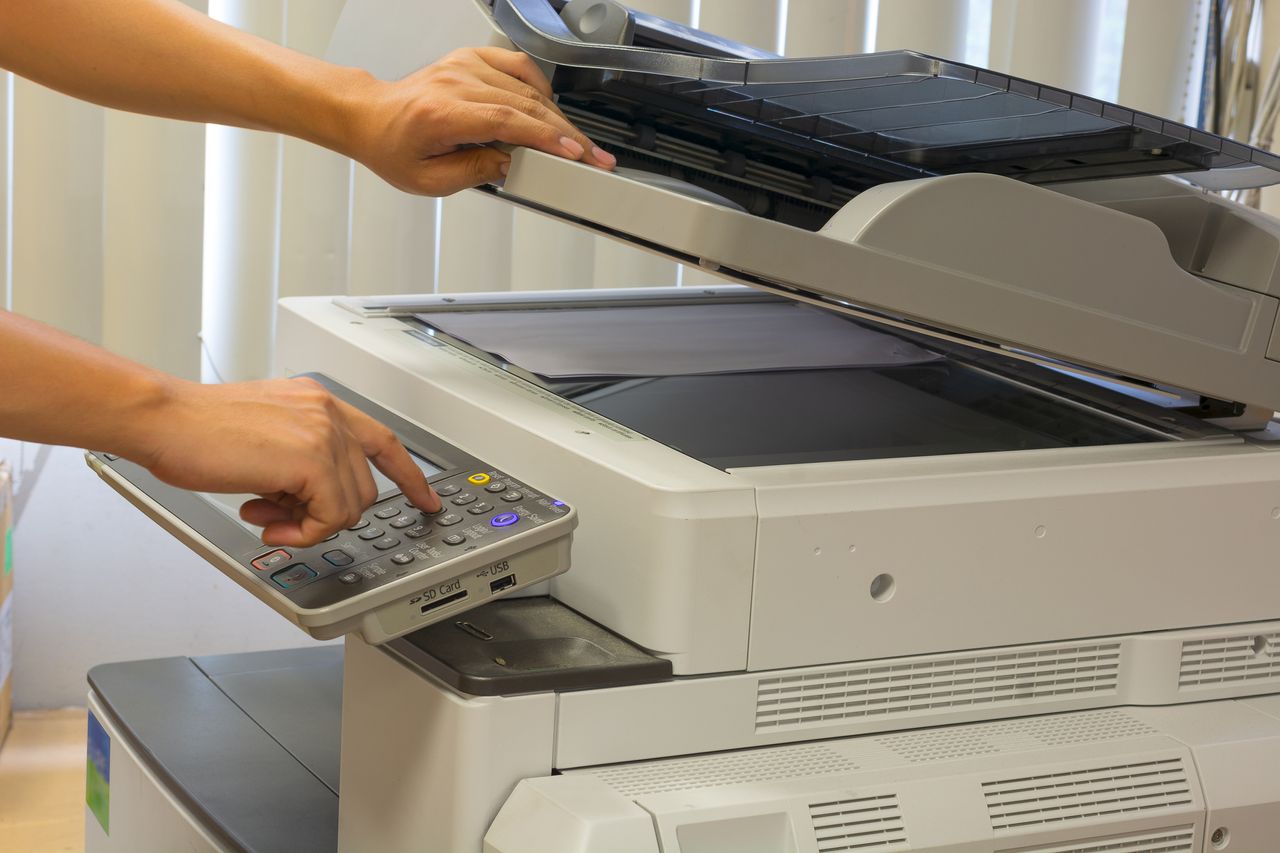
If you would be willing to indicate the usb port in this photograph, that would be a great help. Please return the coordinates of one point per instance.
(441, 602)
(504, 582)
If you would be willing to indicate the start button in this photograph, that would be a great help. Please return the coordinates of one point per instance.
(478, 479)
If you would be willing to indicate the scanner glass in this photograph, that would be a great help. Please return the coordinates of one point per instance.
(745, 418)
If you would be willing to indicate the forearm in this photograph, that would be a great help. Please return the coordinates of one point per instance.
(163, 58)
(57, 389)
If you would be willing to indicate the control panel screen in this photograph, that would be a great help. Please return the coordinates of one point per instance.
(229, 505)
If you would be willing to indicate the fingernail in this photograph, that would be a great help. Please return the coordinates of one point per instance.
(573, 147)
(504, 168)
(604, 158)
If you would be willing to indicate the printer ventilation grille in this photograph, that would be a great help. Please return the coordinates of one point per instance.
(928, 685)
(1086, 795)
(861, 823)
(729, 768)
(1176, 839)
(1218, 661)
(1005, 736)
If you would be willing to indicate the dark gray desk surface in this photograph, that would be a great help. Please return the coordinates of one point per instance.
(248, 742)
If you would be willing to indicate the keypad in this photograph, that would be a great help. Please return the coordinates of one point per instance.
(274, 560)
(380, 536)
(338, 558)
(294, 576)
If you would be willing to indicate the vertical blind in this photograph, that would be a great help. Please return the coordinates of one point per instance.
(171, 242)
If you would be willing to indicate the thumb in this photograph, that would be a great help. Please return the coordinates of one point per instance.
(459, 170)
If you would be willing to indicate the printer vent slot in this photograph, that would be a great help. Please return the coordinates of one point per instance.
(1218, 661)
(1025, 735)
(731, 768)
(861, 823)
(1078, 795)
(1174, 839)
(922, 686)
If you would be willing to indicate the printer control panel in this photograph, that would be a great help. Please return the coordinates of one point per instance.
(398, 568)
(394, 538)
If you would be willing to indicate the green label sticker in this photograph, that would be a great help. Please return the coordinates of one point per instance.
(97, 785)
(8, 552)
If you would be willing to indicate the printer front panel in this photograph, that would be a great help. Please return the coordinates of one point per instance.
(1019, 548)
(665, 548)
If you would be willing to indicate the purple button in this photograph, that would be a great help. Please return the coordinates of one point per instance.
(505, 519)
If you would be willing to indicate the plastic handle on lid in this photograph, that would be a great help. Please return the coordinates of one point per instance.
(535, 28)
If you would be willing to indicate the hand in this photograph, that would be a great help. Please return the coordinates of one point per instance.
(305, 452)
(429, 132)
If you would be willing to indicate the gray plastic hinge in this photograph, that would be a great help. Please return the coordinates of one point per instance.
(599, 21)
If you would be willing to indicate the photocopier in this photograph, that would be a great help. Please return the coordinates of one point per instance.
(949, 522)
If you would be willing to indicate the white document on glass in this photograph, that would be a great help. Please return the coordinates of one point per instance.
(684, 340)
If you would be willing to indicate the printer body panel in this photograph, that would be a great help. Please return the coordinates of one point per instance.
(886, 564)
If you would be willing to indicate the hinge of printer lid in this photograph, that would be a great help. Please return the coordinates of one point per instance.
(1242, 417)
(599, 21)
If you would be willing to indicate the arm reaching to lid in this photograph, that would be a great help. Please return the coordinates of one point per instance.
(426, 133)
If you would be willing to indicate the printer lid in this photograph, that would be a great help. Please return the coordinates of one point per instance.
(905, 188)
(891, 115)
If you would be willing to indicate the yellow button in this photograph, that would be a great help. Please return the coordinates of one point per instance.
(478, 479)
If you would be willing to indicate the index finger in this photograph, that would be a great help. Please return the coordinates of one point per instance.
(515, 64)
(389, 456)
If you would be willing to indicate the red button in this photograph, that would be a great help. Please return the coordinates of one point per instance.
(270, 561)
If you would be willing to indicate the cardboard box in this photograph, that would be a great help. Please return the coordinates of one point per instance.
(6, 601)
